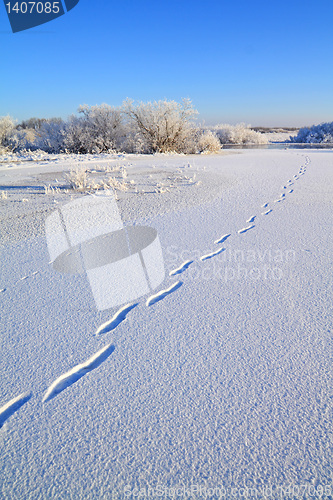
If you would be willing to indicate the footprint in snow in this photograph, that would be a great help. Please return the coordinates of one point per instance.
(245, 229)
(181, 268)
(69, 378)
(291, 191)
(115, 320)
(222, 239)
(212, 254)
(13, 406)
(251, 219)
(265, 205)
(163, 293)
(267, 212)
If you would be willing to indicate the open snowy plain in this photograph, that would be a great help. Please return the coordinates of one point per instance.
(220, 386)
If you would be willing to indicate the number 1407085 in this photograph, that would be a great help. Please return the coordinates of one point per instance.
(33, 7)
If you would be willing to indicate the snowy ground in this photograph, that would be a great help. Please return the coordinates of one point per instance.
(221, 389)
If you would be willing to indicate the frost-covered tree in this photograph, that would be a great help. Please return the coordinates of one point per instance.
(133, 142)
(21, 139)
(74, 140)
(100, 128)
(7, 127)
(32, 123)
(322, 133)
(50, 137)
(162, 126)
(239, 134)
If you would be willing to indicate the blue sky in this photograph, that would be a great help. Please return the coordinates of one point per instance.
(259, 62)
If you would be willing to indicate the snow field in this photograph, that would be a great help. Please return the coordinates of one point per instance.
(223, 381)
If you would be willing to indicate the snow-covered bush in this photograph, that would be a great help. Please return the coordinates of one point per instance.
(78, 179)
(315, 134)
(22, 140)
(162, 126)
(7, 127)
(50, 137)
(133, 142)
(239, 134)
(99, 129)
(13, 138)
(74, 135)
(208, 142)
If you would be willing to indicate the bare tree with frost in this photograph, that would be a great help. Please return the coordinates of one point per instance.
(163, 126)
(99, 129)
(50, 137)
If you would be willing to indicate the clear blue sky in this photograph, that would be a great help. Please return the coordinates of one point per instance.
(261, 62)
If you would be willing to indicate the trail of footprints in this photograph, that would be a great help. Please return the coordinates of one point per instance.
(70, 377)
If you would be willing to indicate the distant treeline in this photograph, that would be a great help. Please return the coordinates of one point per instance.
(270, 130)
(159, 126)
